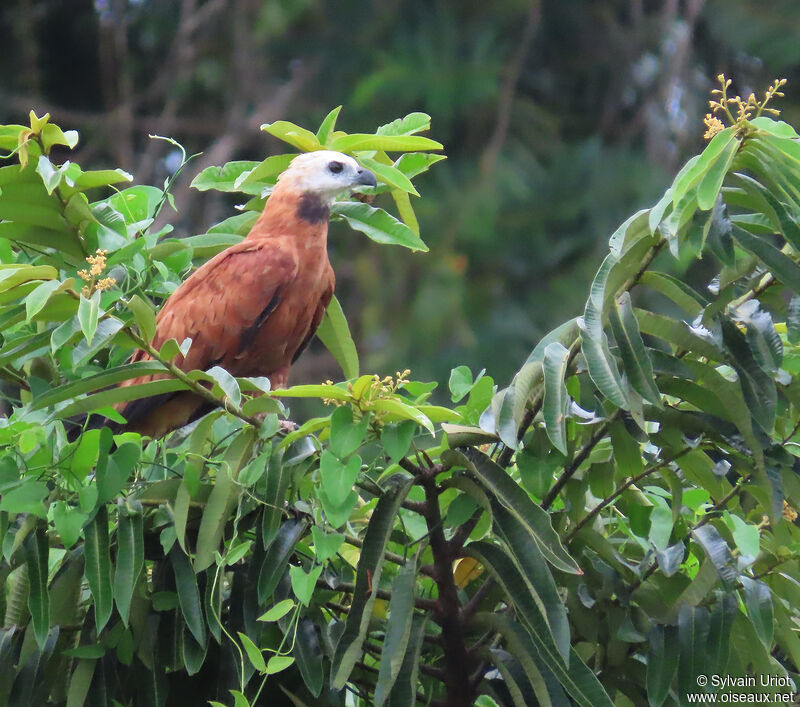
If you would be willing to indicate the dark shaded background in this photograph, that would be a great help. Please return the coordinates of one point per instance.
(560, 118)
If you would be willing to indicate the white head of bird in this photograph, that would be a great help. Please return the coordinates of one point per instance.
(326, 173)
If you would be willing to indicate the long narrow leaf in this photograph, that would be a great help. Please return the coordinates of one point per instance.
(98, 567)
(130, 554)
(368, 575)
(36, 553)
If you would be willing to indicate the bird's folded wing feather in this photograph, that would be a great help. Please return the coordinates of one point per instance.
(220, 306)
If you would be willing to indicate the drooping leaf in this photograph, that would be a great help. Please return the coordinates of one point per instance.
(36, 554)
(377, 224)
(662, 662)
(188, 594)
(556, 398)
(334, 333)
(130, 554)
(635, 361)
(98, 567)
(533, 517)
(758, 600)
(368, 575)
(398, 631)
(693, 627)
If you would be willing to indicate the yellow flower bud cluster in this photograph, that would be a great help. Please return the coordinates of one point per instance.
(744, 109)
(97, 264)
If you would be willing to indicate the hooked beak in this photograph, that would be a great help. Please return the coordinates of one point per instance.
(366, 178)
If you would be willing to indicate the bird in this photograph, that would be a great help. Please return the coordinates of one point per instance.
(254, 307)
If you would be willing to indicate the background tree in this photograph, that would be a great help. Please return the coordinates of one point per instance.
(559, 119)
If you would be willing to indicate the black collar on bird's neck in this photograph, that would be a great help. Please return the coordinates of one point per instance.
(312, 208)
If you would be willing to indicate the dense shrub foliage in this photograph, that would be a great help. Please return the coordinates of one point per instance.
(616, 523)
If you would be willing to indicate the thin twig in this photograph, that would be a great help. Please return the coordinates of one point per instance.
(580, 457)
(630, 482)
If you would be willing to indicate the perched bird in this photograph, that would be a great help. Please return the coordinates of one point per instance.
(254, 307)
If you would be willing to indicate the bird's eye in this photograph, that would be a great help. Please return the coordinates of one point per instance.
(335, 167)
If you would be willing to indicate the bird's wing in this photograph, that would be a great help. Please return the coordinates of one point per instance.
(220, 307)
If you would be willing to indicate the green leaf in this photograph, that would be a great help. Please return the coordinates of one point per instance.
(227, 383)
(253, 653)
(757, 385)
(368, 575)
(279, 663)
(518, 680)
(718, 552)
(275, 487)
(337, 477)
(695, 169)
(414, 163)
(51, 176)
(68, 521)
(388, 143)
(326, 545)
(36, 556)
(745, 535)
(461, 382)
(130, 554)
(226, 178)
(678, 291)
(37, 299)
(578, 681)
(377, 224)
(412, 123)
(403, 203)
(97, 381)
(719, 634)
(277, 556)
(347, 434)
(279, 610)
(758, 600)
(635, 360)
(388, 174)
(692, 638)
(783, 267)
(709, 186)
(396, 439)
(98, 567)
(188, 594)
(296, 136)
(398, 631)
(304, 583)
(313, 391)
(533, 517)
(602, 366)
(335, 335)
(539, 581)
(79, 682)
(327, 127)
(556, 398)
(309, 656)
(118, 469)
(88, 313)
(397, 409)
(223, 499)
(144, 315)
(774, 127)
(662, 662)
(26, 498)
(253, 181)
(404, 690)
(91, 652)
